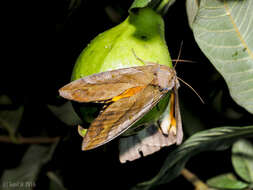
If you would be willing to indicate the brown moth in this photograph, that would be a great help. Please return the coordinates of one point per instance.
(129, 94)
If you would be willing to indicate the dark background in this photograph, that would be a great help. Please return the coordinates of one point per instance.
(100, 168)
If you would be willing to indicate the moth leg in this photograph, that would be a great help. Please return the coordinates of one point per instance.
(173, 124)
(180, 133)
(168, 123)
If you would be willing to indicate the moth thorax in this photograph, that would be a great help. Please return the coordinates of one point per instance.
(166, 79)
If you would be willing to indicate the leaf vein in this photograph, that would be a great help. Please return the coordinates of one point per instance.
(237, 30)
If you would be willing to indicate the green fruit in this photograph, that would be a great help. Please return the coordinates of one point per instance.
(143, 33)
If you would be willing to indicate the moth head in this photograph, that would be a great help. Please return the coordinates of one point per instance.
(166, 78)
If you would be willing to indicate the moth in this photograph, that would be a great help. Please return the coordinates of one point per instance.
(128, 94)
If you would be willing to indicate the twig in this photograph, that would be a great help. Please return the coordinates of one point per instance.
(29, 140)
(192, 178)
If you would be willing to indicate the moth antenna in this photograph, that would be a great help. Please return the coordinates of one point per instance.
(179, 54)
(192, 89)
(183, 60)
(141, 60)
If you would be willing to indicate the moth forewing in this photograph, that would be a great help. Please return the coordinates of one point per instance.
(106, 85)
(120, 115)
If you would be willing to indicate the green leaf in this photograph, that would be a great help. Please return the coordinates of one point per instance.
(163, 7)
(82, 131)
(192, 7)
(242, 159)
(10, 119)
(65, 113)
(226, 181)
(139, 4)
(5, 100)
(223, 31)
(160, 6)
(213, 139)
(25, 175)
(55, 182)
